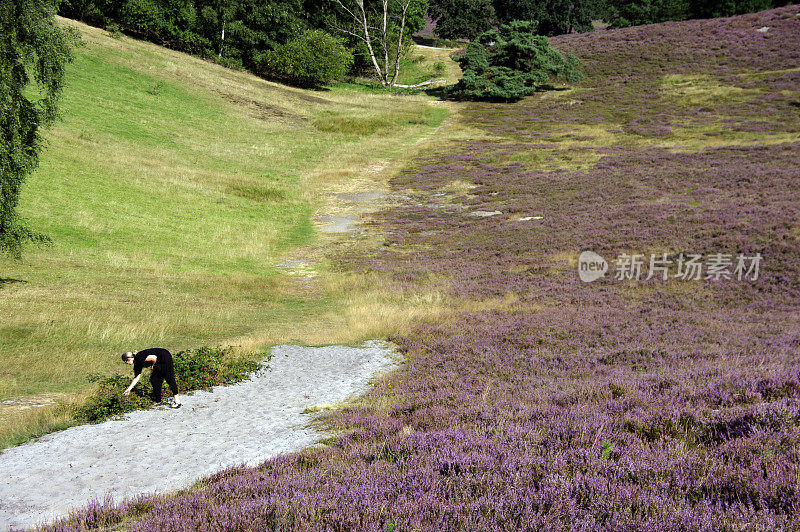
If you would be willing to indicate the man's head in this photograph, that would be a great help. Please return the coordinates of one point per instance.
(127, 357)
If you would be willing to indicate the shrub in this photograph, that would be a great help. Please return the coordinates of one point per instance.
(114, 30)
(108, 400)
(195, 369)
(205, 367)
(511, 63)
(310, 60)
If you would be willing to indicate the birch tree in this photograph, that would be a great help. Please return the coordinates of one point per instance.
(31, 46)
(381, 30)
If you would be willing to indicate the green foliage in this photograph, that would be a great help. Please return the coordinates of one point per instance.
(511, 63)
(550, 17)
(114, 30)
(195, 369)
(96, 12)
(352, 29)
(196, 26)
(108, 401)
(727, 8)
(167, 22)
(310, 60)
(621, 13)
(608, 448)
(461, 19)
(31, 45)
(258, 35)
(202, 368)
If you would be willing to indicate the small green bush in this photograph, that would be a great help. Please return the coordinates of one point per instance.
(195, 369)
(114, 30)
(511, 63)
(310, 60)
(108, 400)
(204, 367)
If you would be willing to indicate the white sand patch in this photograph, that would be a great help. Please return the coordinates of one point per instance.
(485, 214)
(161, 450)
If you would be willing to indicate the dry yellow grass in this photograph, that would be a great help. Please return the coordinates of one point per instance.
(698, 90)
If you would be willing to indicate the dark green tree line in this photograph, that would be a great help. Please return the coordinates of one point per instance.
(551, 17)
(233, 31)
(465, 19)
(621, 13)
(241, 33)
(462, 19)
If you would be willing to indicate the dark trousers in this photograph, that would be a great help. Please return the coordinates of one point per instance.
(163, 371)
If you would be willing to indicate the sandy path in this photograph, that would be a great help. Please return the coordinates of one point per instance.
(160, 450)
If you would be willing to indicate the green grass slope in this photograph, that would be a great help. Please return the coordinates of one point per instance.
(171, 188)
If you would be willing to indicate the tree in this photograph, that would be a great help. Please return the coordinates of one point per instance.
(511, 63)
(621, 13)
(310, 60)
(552, 17)
(627, 13)
(381, 26)
(30, 45)
(727, 8)
(461, 19)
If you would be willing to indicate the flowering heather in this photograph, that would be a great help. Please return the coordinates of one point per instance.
(661, 405)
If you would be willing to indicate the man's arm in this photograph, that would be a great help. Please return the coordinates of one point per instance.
(133, 383)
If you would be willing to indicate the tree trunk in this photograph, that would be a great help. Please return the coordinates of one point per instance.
(359, 16)
(221, 40)
(404, 4)
(368, 41)
(385, 39)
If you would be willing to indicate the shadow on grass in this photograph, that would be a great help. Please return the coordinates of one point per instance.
(446, 92)
(7, 280)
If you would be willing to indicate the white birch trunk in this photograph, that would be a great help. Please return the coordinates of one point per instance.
(404, 4)
(359, 16)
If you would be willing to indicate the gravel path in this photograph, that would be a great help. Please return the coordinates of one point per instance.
(160, 450)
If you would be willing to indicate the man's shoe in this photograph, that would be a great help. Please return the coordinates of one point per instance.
(174, 403)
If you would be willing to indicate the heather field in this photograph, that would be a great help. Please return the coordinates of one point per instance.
(621, 404)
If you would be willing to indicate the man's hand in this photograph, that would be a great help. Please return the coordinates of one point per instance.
(126, 392)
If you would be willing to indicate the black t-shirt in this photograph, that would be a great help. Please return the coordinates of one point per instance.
(139, 361)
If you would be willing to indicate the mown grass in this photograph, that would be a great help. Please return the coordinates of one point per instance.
(170, 189)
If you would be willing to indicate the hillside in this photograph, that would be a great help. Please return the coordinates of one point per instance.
(635, 402)
(171, 188)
